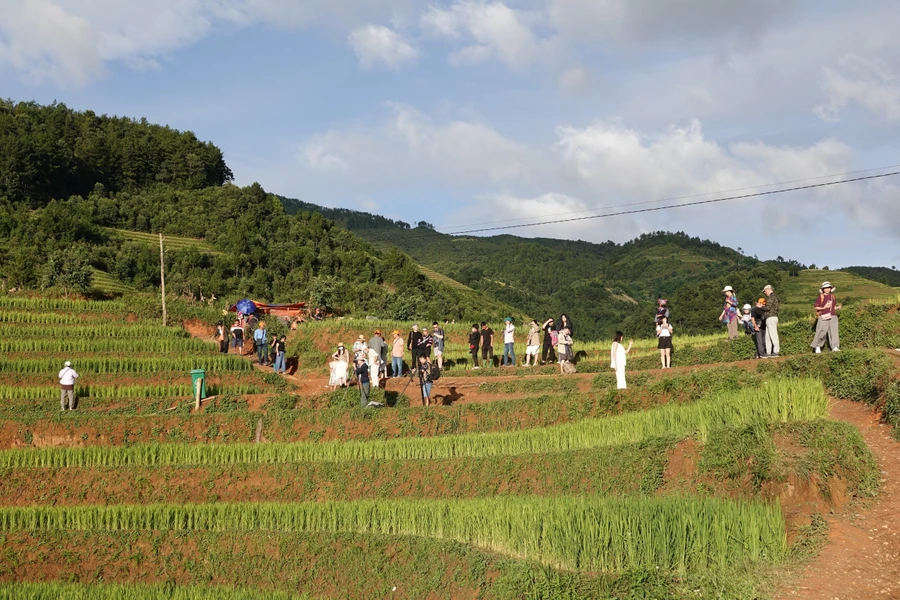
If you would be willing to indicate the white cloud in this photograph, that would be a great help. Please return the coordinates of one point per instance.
(487, 30)
(70, 42)
(868, 82)
(378, 45)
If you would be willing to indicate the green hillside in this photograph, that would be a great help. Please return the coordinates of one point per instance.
(96, 191)
(883, 275)
(800, 292)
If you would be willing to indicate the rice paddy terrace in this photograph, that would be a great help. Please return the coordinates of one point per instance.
(719, 478)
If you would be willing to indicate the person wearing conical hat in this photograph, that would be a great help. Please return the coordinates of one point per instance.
(827, 308)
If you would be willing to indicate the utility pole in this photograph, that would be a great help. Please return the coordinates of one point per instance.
(162, 277)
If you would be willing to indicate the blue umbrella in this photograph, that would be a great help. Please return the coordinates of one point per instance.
(245, 306)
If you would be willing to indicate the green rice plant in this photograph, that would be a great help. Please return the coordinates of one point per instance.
(613, 535)
(125, 364)
(97, 330)
(530, 385)
(76, 344)
(38, 318)
(41, 303)
(776, 401)
(56, 590)
(10, 392)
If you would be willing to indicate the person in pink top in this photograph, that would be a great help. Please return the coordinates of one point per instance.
(826, 307)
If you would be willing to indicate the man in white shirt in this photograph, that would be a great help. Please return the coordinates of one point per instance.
(67, 379)
(509, 344)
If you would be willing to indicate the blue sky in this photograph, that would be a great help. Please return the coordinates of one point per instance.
(461, 112)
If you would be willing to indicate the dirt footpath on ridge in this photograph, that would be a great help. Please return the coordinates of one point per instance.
(861, 560)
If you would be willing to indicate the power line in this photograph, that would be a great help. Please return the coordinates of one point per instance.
(697, 203)
(672, 199)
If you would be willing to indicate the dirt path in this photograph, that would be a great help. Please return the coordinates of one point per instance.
(861, 560)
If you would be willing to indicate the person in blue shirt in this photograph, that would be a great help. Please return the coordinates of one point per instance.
(260, 340)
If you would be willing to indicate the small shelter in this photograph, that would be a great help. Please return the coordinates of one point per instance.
(295, 311)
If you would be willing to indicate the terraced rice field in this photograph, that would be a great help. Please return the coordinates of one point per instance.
(545, 487)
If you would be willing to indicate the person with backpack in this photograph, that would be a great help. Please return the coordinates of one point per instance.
(664, 335)
(67, 379)
(412, 344)
(474, 342)
(237, 337)
(426, 378)
(532, 345)
(729, 314)
(280, 355)
(551, 339)
(487, 345)
(260, 340)
(565, 352)
(618, 358)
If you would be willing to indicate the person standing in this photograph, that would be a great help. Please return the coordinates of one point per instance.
(280, 355)
(532, 345)
(339, 365)
(773, 345)
(373, 359)
(729, 314)
(758, 326)
(237, 337)
(826, 319)
(413, 341)
(662, 310)
(397, 354)
(362, 381)
(438, 335)
(359, 348)
(566, 323)
(474, 343)
(378, 344)
(509, 343)
(664, 335)
(426, 344)
(67, 379)
(565, 351)
(487, 345)
(260, 340)
(220, 336)
(617, 358)
(426, 380)
(548, 353)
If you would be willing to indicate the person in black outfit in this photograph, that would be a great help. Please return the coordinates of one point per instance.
(362, 378)
(487, 344)
(413, 344)
(547, 350)
(566, 323)
(758, 319)
(474, 343)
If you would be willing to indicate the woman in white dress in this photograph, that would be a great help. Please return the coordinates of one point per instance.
(617, 358)
(338, 365)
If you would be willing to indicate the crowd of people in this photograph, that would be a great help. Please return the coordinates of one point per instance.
(371, 362)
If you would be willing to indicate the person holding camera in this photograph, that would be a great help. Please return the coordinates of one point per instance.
(426, 380)
(362, 381)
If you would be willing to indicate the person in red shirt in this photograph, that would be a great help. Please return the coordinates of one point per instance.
(826, 319)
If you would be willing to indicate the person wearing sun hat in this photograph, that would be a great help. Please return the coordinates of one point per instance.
(377, 343)
(340, 362)
(729, 314)
(359, 348)
(826, 307)
(67, 379)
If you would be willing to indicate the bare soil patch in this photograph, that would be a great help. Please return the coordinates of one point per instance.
(861, 560)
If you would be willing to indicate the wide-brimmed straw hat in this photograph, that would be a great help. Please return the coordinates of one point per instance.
(826, 285)
(728, 288)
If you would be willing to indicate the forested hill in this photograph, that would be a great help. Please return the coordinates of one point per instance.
(70, 181)
(603, 287)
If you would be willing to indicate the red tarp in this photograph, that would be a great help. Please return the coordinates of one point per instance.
(278, 310)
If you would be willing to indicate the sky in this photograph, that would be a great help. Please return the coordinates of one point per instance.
(481, 113)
